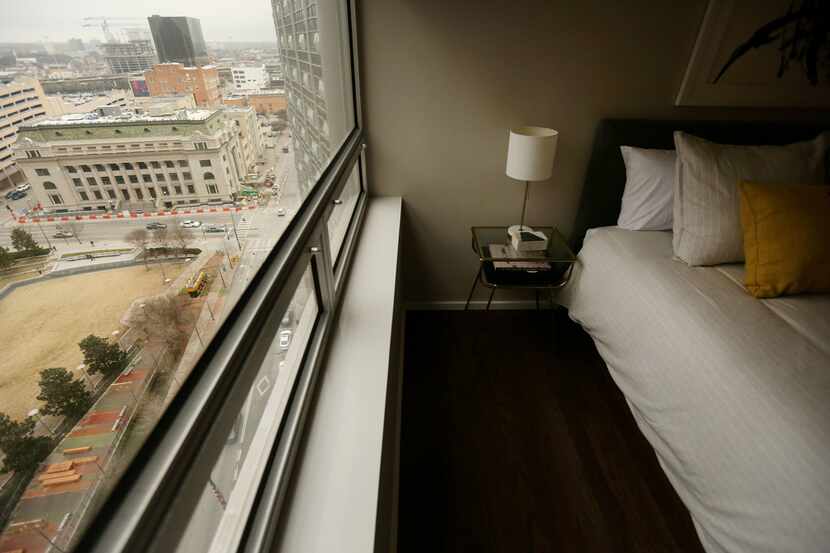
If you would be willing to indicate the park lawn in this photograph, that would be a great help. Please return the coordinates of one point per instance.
(42, 323)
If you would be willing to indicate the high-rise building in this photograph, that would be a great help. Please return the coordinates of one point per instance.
(311, 52)
(170, 79)
(179, 40)
(129, 57)
(21, 103)
(249, 77)
(118, 159)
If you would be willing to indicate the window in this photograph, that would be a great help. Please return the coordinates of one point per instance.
(113, 167)
(77, 182)
(182, 163)
(240, 392)
(160, 177)
(152, 192)
(91, 181)
(48, 185)
(86, 168)
(133, 179)
(83, 195)
(55, 199)
(128, 166)
(147, 178)
(71, 169)
(105, 180)
(97, 194)
(119, 179)
(42, 172)
(169, 164)
(142, 165)
(100, 168)
(204, 163)
(173, 176)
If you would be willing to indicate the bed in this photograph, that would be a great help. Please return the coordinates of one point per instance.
(733, 393)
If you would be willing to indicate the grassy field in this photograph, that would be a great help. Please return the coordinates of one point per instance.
(41, 324)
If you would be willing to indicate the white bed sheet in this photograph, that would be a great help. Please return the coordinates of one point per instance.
(732, 392)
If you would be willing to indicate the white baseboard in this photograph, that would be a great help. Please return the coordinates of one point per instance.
(474, 305)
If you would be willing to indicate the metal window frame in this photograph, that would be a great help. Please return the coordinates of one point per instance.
(150, 505)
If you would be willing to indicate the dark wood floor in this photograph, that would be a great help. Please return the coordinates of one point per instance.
(515, 439)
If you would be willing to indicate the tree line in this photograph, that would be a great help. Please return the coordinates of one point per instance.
(62, 395)
(25, 246)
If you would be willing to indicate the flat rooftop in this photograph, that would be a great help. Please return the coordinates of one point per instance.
(125, 117)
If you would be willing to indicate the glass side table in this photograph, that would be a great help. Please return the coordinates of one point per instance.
(500, 266)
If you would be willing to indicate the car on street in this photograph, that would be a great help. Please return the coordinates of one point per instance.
(62, 234)
(155, 226)
(281, 212)
(23, 187)
(285, 339)
(215, 228)
(15, 195)
(190, 223)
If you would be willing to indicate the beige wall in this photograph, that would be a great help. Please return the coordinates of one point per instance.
(442, 81)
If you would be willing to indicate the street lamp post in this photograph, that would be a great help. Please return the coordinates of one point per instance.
(44, 234)
(236, 234)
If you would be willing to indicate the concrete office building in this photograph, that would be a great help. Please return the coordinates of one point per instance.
(179, 40)
(248, 133)
(21, 103)
(310, 47)
(129, 57)
(170, 79)
(120, 160)
(249, 77)
(264, 103)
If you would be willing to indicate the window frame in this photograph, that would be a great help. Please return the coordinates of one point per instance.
(150, 504)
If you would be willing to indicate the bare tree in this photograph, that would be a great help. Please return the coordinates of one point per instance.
(182, 237)
(161, 238)
(140, 239)
(76, 228)
(168, 319)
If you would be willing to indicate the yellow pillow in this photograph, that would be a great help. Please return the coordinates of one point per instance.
(786, 238)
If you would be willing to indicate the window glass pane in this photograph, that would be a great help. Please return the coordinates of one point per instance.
(226, 499)
(146, 270)
(341, 213)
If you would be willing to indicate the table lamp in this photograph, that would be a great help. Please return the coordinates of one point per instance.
(530, 155)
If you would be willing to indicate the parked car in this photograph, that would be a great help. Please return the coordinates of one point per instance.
(190, 223)
(281, 212)
(285, 339)
(63, 234)
(215, 228)
(23, 187)
(10, 193)
(16, 195)
(155, 226)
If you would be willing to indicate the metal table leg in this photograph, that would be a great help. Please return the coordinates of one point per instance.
(473, 289)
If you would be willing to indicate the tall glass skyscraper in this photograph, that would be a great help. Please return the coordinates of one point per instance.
(179, 40)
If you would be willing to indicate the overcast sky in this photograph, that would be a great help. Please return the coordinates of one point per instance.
(60, 20)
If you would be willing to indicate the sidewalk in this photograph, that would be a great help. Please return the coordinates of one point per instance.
(23, 219)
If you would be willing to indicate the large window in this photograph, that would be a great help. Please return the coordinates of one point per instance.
(192, 363)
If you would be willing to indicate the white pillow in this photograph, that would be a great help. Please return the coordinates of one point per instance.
(647, 201)
(707, 221)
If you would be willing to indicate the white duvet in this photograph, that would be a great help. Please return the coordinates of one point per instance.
(732, 392)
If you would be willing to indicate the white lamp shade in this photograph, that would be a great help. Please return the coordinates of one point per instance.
(530, 153)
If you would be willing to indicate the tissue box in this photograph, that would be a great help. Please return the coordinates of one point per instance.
(529, 241)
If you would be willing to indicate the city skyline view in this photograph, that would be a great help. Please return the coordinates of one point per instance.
(60, 21)
(148, 169)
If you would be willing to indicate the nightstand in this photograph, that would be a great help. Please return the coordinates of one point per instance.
(500, 267)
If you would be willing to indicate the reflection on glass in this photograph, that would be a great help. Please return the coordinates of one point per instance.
(220, 516)
(341, 214)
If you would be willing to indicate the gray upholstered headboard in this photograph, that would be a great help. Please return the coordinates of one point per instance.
(605, 179)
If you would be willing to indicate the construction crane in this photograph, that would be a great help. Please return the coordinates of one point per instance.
(106, 22)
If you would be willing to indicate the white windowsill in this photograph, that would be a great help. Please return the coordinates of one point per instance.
(334, 504)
